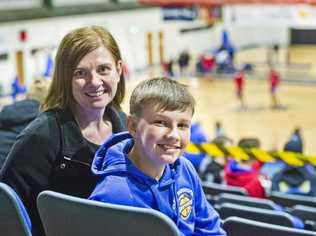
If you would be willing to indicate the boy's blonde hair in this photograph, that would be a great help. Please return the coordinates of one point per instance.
(162, 93)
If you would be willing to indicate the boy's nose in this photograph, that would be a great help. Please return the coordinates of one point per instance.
(174, 133)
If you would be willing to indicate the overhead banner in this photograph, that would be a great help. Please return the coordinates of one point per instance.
(19, 4)
(291, 15)
(209, 3)
(61, 3)
(179, 13)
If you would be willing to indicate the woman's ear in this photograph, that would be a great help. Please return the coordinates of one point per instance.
(131, 123)
(119, 67)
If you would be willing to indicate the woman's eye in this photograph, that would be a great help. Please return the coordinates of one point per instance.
(104, 69)
(79, 73)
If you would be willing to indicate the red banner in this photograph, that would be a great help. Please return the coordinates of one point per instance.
(221, 2)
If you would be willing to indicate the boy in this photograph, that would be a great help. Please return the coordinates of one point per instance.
(144, 168)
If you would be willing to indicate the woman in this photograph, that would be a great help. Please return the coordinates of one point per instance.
(81, 110)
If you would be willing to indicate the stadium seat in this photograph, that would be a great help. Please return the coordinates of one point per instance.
(65, 215)
(247, 201)
(290, 200)
(262, 215)
(304, 212)
(237, 226)
(214, 189)
(14, 220)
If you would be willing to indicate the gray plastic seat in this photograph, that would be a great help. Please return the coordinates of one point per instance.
(237, 226)
(247, 201)
(304, 212)
(214, 189)
(262, 215)
(14, 220)
(290, 200)
(65, 215)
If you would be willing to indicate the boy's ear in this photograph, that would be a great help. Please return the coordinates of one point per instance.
(131, 123)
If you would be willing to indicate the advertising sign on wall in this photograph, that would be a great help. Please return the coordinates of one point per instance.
(19, 4)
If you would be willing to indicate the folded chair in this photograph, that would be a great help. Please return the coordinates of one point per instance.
(237, 226)
(14, 219)
(64, 215)
(262, 215)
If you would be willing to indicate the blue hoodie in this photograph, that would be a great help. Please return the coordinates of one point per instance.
(178, 194)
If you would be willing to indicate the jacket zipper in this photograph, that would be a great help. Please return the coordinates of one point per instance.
(76, 161)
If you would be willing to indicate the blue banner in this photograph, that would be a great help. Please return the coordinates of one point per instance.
(179, 13)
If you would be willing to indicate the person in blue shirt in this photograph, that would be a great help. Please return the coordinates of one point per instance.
(145, 167)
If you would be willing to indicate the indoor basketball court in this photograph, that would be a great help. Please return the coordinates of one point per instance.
(216, 100)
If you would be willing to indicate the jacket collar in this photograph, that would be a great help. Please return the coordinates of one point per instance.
(71, 136)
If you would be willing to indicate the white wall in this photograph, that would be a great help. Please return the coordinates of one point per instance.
(265, 24)
(128, 27)
(246, 25)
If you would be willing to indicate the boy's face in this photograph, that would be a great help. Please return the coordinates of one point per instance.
(160, 136)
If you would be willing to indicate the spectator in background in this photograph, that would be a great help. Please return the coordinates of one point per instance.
(220, 135)
(198, 136)
(219, 130)
(239, 81)
(297, 137)
(208, 167)
(293, 144)
(274, 81)
(205, 63)
(295, 179)
(246, 173)
(81, 110)
(168, 68)
(15, 117)
(184, 61)
(212, 167)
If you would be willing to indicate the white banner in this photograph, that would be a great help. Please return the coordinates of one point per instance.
(59, 3)
(288, 15)
(19, 4)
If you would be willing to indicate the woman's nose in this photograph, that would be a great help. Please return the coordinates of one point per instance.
(96, 79)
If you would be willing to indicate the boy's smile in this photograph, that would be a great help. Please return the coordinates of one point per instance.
(160, 138)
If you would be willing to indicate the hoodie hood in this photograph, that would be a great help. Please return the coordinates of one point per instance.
(19, 113)
(112, 157)
(112, 153)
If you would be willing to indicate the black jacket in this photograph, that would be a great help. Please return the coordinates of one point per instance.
(13, 119)
(52, 154)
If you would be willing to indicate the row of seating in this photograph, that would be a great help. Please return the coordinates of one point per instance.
(232, 201)
(66, 215)
(237, 226)
(286, 200)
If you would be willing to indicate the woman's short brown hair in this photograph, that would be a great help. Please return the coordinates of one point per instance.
(74, 46)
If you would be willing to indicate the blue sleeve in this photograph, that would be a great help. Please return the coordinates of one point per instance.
(112, 189)
(207, 221)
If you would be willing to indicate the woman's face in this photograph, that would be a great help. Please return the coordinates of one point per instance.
(95, 80)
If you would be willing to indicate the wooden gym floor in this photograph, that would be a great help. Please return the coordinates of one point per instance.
(216, 101)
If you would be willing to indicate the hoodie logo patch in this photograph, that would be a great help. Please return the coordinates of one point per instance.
(185, 197)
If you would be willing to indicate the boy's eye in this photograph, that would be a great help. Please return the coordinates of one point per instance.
(184, 125)
(160, 123)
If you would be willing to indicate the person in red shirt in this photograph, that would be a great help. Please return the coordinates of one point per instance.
(274, 81)
(239, 81)
(246, 173)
